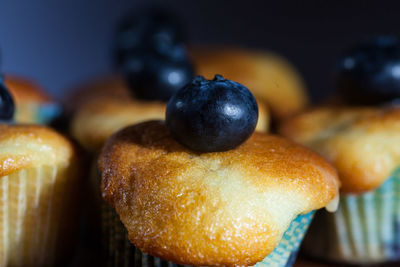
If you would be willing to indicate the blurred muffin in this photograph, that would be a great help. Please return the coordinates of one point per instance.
(270, 77)
(100, 118)
(237, 207)
(33, 105)
(40, 188)
(363, 144)
(97, 120)
(103, 86)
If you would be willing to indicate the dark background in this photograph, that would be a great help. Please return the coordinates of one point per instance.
(60, 43)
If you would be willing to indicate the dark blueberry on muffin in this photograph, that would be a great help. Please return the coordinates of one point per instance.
(212, 115)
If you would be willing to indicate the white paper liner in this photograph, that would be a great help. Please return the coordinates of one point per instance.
(32, 206)
(365, 228)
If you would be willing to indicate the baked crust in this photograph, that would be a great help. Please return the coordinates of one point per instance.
(269, 76)
(98, 119)
(210, 209)
(362, 143)
(25, 90)
(23, 146)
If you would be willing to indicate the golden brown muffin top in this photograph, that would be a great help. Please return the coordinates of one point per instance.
(362, 143)
(267, 75)
(98, 119)
(23, 146)
(210, 209)
(25, 90)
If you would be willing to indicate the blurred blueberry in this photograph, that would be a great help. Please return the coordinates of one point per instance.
(152, 77)
(369, 72)
(154, 31)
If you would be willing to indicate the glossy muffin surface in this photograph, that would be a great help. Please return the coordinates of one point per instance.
(222, 208)
(267, 75)
(362, 143)
(25, 146)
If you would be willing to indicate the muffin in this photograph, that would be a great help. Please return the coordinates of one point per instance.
(102, 86)
(98, 119)
(362, 144)
(33, 105)
(39, 191)
(269, 76)
(40, 187)
(202, 189)
(214, 208)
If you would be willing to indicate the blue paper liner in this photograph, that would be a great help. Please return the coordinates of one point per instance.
(285, 253)
(46, 113)
(364, 230)
(37, 113)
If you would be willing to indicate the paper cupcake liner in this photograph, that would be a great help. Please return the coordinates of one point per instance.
(37, 113)
(48, 112)
(119, 251)
(286, 252)
(32, 205)
(365, 229)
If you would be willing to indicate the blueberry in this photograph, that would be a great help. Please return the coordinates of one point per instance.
(155, 31)
(152, 77)
(369, 73)
(6, 103)
(212, 115)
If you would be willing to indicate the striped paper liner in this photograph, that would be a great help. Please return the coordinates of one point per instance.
(285, 253)
(119, 252)
(365, 229)
(32, 203)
